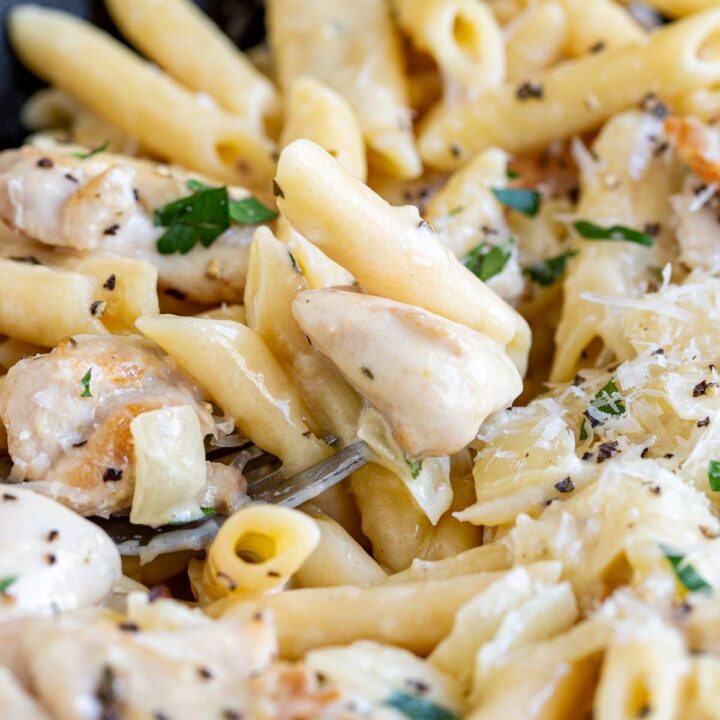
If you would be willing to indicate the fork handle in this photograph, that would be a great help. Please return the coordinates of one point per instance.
(313, 481)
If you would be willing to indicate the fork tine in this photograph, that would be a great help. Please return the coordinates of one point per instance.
(309, 483)
(268, 487)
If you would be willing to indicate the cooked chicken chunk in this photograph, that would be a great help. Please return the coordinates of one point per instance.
(105, 204)
(67, 416)
(434, 380)
(15, 703)
(84, 669)
(51, 559)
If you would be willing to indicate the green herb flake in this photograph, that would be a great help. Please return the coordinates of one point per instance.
(94, 151)
(714, 475)
(86, 384)
(548, 272)
(485, 261)
(456, 211)
(200, 217)
(198, 186)
(512, 174)
(250, 211)
(414, 465)
(418, 708)
(685, 572)
(6, 582)
(525, 201)
(590, 231)
(608, 401)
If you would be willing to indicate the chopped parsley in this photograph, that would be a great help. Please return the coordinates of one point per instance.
(86, 384)
(418, 708)
(525, 201)
(608, 401)
(512, 174)
(685, 572)
(456, 211)
(414, 465)
(203, 216)
(547, 272)
(590, 231)
(485, 261)
(94, 151)
(713, 472)
(200, 217)
(248, 211)
(6, 582)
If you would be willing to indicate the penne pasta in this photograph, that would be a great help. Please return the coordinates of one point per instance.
(675, 8)
(317, 113)
(463, 37)
(679, 57)
(240, 374)
(337, 560)
(272, 284)
(599, 25)
(183, 41)
(258, 549)
(147, 105)
(372, 239)
(416, 616)
(128, 288)
(41, 305)
(535, 39)
(351, 46)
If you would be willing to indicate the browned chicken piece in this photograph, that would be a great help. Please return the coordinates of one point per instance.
(697, 145)
(67, 415)
(15, 702)
(105, 205)
(85, 668)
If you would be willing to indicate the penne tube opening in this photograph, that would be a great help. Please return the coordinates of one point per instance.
(473, 52)
(463, 37)
(258, 549)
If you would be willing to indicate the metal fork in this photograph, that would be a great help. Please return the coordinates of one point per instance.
(265, 483)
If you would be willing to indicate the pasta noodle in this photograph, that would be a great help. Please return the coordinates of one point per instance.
(535, 39)
(182, 40)
(677, 58)
(352, 47)
(258, 549)
(682, 7)
(370, 229)
(464, 39)
(317, 113)
(415, 615)
(337, 560)
(42, 306)
(599, 24)
(147, 106)
(264, 403)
